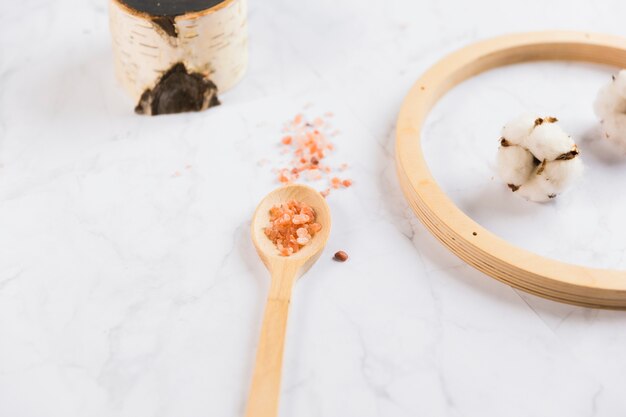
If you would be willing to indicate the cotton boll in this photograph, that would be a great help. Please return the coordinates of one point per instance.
(544, 164)
(515, 164)
(548, 141)
(518, 129)
(610, 107)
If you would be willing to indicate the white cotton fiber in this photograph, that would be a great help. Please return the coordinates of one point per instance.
(518, 129)
(608, 102)
(562, 174)
(610, 107)
(614, 129)
(619, 82)
(536, 190)
(515, 164)
(547, 141)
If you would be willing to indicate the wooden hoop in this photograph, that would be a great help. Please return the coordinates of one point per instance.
(474, 244)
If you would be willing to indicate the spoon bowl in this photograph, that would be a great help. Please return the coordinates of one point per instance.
(309, 253)
(284, 270)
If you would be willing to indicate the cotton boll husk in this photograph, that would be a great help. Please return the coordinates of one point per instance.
(515, 164)
(548, 141)
(517, 130)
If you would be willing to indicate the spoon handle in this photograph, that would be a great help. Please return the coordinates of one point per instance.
(265, 391)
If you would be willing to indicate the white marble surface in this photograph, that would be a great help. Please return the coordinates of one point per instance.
(128, 290)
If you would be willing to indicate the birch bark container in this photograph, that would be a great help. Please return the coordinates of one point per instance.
(174, 56)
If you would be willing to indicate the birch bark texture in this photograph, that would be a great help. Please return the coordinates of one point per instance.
(174, 56)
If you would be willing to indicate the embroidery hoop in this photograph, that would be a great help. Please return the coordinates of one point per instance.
(545, 277)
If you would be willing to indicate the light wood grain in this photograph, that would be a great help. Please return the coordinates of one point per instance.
(212, 42)
(265, 390)
(467, 239)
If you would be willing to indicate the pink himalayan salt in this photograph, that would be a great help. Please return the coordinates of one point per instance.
(292, 226)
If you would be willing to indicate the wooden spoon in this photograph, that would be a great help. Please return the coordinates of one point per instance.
(265, 391)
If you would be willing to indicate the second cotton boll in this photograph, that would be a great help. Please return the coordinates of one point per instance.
(610, 107)
(537, 159)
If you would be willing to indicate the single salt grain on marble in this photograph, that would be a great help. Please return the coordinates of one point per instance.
(340, 256)
(292, 226)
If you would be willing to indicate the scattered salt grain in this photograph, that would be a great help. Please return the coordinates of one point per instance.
(340, 256)
(308, 143)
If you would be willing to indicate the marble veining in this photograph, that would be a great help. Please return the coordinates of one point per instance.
(128, 282)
